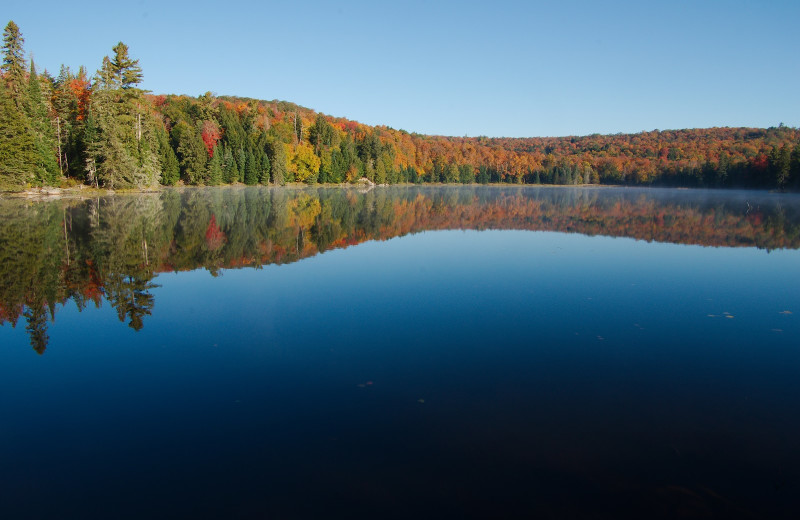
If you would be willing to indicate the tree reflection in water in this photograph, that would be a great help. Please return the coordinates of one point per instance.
(111, 248)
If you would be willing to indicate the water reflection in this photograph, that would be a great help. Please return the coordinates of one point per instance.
(112, 247)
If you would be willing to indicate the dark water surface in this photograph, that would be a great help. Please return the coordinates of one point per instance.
(432, 352)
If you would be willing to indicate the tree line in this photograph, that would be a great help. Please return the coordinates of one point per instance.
(101, 129)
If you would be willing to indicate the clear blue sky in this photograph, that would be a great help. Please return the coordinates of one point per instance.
(496, 68)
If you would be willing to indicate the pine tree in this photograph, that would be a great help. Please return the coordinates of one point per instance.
(126, 71)
(125, 152)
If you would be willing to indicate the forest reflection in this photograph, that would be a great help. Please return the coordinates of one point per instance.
(111, 248)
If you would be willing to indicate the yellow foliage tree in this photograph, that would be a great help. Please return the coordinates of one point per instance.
(304, 163)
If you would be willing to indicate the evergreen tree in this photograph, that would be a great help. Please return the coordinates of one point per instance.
(250, 169)
(191, 152)
(231, 169)
(451, 174)
(795, 165)
(233, 134)
(241, 161)
(89, 139)
(278, 162)
(13, 67)
(465, 174)
(47, 170)
(170, 168)
(783, 166)
(215, 167)
(112, 161)
(325, 158)
(127, 72)
(322, 134)
(17, 146)
(126, 150)
(380, 172)
(106, 77)
(264, 170)
(338, 169)
(483, 175)
(722, 168)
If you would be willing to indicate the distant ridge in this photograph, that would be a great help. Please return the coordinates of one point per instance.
(102, 130)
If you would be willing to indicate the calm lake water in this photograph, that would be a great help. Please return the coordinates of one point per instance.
(401, 353)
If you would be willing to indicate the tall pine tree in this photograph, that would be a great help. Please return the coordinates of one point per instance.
(126, 151)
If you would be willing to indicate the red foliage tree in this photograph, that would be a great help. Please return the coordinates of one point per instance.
(211, 134)
(81, 89)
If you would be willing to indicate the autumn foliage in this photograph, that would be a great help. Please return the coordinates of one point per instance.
(347, 150)
(212, 140)
(210, 135)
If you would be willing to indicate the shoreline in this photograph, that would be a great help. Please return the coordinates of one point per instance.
(83, 192)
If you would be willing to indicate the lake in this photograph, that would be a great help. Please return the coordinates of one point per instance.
(401, 352)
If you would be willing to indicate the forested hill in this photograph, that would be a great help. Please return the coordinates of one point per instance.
(101, 129)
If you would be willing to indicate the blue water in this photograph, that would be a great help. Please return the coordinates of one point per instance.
(444, 373)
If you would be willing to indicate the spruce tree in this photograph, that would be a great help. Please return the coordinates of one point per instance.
(191, 152)
(231, 169)
(264, 170)
(380, 172)
(250, 169)
(13, 67)
(278, 162)
(47, 170)
(241, 161)
(170, 169)
(17, 146)
(215, 167)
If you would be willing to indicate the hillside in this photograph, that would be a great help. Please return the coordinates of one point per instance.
(103, 130)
